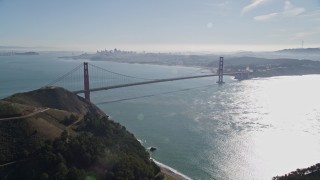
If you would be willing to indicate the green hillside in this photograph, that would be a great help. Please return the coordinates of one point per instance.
(61, 136)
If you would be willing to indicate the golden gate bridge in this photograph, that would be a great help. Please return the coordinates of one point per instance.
(87, 78)
(99, 79)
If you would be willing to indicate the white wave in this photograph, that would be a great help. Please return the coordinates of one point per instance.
(140, 141)
(171, 169)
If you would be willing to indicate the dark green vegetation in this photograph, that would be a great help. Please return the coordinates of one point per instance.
(71, 140)
(310, 173)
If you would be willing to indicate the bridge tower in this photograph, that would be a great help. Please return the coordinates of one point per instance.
(220, 71)
(86, 82)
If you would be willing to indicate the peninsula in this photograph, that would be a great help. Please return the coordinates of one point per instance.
(12, 53)
(264, 64)
(51, 133)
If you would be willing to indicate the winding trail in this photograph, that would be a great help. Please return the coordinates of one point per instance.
(9, 163)
(39, 110)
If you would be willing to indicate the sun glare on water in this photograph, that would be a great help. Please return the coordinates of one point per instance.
(268, 127)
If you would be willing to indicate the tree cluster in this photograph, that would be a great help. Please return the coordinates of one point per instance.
(310, 173)
(102, 149)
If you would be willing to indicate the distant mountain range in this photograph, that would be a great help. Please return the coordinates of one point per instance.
(12, 47)
(12, 53)
(300, 53)
(300, 50)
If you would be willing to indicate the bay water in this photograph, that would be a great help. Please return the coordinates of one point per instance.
(253, 129)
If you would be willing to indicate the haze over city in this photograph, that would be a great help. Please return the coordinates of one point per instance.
(168, 25)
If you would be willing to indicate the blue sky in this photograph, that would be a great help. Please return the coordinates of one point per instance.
(160, 25)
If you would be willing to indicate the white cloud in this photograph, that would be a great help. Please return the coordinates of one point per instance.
(223, 8)
(209, 25)
(290, 10)
(254, 4)
(266, 17)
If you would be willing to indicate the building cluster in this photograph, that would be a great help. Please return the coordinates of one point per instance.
(115, 51)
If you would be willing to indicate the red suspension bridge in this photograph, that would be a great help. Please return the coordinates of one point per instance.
(110, 79)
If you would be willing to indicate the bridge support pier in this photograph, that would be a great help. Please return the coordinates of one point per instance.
(220, 71)
(86, 82)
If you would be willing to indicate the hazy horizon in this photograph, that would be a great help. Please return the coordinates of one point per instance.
(161, 26)
(157, 49)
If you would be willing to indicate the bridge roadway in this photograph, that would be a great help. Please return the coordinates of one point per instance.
(151, 82)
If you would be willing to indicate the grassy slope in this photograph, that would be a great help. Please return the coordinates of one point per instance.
(94, 137)
(48, 124)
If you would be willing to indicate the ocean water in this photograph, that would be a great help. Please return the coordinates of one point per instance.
(253, 129)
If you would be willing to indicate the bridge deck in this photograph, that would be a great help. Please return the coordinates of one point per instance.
(151, 82)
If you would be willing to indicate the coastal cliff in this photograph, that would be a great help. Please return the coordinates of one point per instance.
(52, 133)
